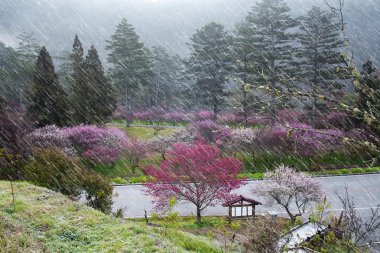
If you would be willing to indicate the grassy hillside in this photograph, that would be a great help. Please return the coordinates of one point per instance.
(44, 221)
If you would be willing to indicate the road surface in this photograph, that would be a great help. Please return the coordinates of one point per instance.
(365, 190)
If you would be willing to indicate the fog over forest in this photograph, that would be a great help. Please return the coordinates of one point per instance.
(169, 23)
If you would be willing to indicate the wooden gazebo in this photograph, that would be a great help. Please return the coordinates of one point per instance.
(241, 208)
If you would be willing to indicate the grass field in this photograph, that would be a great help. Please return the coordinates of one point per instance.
(146, 133)
(44, 221)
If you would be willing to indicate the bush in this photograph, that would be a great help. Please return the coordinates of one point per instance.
(372, 170)
(334, 172)
(98, 192)
(140, 180)
(210, 131)
(344, 171)
(49, 137)
(51, 168)
(96, 144)
(203, 115)
(119, 180)
(356, 171)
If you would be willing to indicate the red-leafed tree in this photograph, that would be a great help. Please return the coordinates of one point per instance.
(194, 173)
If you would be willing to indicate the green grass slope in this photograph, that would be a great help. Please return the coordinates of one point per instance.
(44, 221)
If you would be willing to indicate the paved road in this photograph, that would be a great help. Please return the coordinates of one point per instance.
(365, 189)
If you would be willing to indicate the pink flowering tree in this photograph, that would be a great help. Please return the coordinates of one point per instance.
(242, 140)
(96, 144)
(134, 151)
(209, 131)
(195, 174)
(49, 137)
(292, 190)
(203, 115)
(309, 142)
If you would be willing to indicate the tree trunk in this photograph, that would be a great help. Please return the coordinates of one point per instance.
(199, 215)
(314, 113)
(245, 102)
(215, 109)
(128, 106)
(291, 216)
(273, 110)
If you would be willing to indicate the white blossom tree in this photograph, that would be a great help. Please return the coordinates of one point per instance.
(287, 187)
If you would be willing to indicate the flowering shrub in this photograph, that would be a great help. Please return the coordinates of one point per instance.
(175, 117)
(288, 116)
(120, 112)
(273, 140)
(49, 137)
(229, 119)
(259, 120)
(241, 140)
(99, 145)
(309, 142)
(337, 120)
(102, 154)
(88, 137)
(203, 115)
(210, 131)
(134, 151)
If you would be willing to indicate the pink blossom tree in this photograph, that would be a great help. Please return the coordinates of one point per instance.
(292, 190)
(96, 144)
(242, 140)
(134, 151)
(196, 174)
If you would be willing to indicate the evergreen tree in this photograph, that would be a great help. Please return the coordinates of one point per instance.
(210, 61)
(131, 65)
(244, 55)
(164, 78)
(48, 102)
(320, 54)
(368, 92)
(28, 47)
(101, 97)
(267, 31)
(80, 91)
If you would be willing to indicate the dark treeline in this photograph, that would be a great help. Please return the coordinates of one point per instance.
(224, 71)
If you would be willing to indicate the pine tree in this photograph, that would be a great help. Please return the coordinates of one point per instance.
(268, 25)
(210, 61)
(131, 66)
(320, 54)
(28, 47)
(101, 98)
(80, 91)
(48, 102)
(244, 55)
(368, 92)
(164, 77)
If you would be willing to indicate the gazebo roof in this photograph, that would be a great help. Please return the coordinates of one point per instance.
(241, 198)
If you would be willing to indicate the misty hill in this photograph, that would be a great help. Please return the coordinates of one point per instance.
(169, 23)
